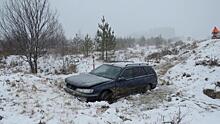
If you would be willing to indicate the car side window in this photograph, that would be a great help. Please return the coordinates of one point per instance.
(139, 71)
(149, 70)
(128, 73)
(133, 72)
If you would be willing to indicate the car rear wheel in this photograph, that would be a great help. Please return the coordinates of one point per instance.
(153, 86)
(106, 96)
(148, 87)
(145, 89)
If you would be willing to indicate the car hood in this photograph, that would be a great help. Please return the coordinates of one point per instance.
(86, 80)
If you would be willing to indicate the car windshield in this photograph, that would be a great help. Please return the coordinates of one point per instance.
(107, 71)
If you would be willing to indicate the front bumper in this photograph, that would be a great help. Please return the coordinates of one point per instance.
(82, 96)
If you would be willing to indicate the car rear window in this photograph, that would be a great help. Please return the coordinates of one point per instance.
(133, 72)
(149, 70)
(139, 71)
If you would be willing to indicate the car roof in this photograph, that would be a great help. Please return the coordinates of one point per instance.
(127, 64)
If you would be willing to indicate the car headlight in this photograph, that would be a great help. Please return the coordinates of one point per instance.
(85, 90)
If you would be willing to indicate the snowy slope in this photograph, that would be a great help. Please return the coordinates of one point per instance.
(190, 88)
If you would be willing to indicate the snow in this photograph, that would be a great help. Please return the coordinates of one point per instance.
(28, 98)
(192, 87)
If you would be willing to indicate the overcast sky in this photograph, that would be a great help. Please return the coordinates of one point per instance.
(193, 18)
(188, 17)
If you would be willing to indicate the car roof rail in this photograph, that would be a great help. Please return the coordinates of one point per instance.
(137, 64)
(120, 61)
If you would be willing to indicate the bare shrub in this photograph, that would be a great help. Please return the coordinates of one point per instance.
(13, 64)
(72, 68)
(158, 55)
(194, 45)
(153, 56)
(211, 62)
(189, 46)
(177, 118)
(69, 65)
(179, 43)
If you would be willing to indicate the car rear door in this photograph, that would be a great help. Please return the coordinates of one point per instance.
(141, 79)
(131, 79)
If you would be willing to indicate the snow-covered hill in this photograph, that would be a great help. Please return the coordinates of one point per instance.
(192, 76)
(40, 98)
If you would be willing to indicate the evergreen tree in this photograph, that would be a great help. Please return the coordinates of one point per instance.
(77, 44)
(105, 39)
(87, 45)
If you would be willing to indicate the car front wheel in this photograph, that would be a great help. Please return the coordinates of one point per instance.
(106, 96)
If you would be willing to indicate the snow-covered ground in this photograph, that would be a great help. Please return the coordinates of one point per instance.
(190, 80)
(26, 98)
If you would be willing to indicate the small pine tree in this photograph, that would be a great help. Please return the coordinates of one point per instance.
(77, 44)
(105, 39)
(87, 45)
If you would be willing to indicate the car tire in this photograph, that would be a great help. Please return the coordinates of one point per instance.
(106, 96)
(148, 87)
(145, 89)
(153, 86)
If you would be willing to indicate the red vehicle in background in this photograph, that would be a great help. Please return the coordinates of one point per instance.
(215, 33)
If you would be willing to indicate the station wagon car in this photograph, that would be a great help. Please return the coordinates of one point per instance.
(109, 82)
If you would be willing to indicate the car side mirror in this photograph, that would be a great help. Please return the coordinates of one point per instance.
(121, 79)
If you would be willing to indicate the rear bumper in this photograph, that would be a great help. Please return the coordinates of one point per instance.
(82, 96)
